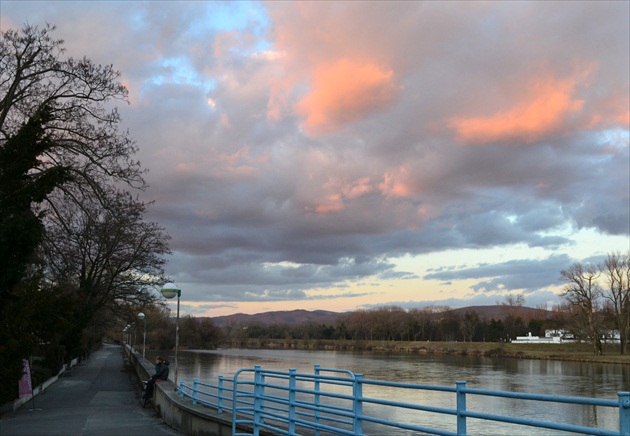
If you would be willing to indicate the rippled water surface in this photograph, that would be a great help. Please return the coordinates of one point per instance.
(575, 379)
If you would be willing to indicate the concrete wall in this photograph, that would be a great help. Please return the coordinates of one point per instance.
(16, 404)
(177, 412)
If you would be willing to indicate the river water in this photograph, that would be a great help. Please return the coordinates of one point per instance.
(575, 379)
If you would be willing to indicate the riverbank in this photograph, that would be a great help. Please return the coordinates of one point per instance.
(568, 351)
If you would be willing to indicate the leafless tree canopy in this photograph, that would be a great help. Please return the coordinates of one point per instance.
(72, 235)
(599, 298)
(84, 128)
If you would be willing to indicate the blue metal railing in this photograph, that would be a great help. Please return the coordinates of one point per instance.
(332, 401)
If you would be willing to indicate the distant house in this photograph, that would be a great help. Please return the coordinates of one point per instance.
(562, 336)
(529, 339)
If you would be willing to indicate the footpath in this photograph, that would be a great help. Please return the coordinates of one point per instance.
(99, 396)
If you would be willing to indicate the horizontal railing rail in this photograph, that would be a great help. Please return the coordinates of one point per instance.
(331, 401)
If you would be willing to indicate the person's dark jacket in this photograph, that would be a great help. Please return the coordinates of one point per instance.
(161, 371)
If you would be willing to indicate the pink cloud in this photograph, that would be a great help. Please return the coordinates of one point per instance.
(330, 204)
(546, 106)
(337, 192)
(343, 92)
(395, 184)
(611, 112)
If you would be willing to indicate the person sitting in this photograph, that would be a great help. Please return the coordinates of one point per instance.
(161, 373)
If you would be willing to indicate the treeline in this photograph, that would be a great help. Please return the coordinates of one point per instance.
(159, 327)
(393, 323)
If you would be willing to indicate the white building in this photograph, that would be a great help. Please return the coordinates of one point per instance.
(529, 339)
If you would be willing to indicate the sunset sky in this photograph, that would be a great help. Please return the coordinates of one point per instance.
(349, 155)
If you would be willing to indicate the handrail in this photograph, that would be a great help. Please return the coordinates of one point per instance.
(332, 401)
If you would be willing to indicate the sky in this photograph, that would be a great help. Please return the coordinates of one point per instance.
(352, 155)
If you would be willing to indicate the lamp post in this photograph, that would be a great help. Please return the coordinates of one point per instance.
(169, 290)
(144, 336)
(128, 330)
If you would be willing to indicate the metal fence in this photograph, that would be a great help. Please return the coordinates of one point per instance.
(332, 401)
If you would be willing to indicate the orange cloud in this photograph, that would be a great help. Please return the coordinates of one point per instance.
(344, 92)
(611, 112)
(394, 185)
(339, 192)
(331, 204)
(548, 105)
(623, 118)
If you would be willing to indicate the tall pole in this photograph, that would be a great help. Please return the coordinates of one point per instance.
(169, 290)
(177, 338)
(144, 338)
(142, 316)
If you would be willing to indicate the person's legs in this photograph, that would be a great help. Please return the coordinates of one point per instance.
(148, 390)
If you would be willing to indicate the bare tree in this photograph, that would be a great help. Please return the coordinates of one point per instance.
(59, 134)
(512, 310)
(420, 324)
(34, 74)
(107, 256)
(512, 305)
(616, 269)
(583, 296)
(469, 325)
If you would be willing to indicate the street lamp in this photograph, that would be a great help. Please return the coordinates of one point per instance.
(169, 290)
(144, 336)
(128, 330)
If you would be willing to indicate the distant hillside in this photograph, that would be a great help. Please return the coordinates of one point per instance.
(300, 316)
(291, 317)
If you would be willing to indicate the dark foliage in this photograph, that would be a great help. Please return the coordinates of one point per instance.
(75, 253)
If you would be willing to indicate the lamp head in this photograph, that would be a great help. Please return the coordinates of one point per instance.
(169, 290)
(141, 316)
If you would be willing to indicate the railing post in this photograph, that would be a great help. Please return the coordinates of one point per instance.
(461, 408)
(263, 381)
(316, 388)
(258, 393)
(235, 399)
(291, 400)
(220, 395)
(624, 413)
(358, 404)
(194, 395)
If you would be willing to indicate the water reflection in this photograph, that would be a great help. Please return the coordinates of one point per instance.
(576, 379)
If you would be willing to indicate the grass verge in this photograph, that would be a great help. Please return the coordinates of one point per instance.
(567, 351)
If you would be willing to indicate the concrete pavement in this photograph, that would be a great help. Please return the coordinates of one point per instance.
(100, 396)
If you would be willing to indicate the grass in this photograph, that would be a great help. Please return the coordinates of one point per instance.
(567, 351)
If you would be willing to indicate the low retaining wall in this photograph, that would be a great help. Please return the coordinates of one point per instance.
(16, 404)
(178, 412)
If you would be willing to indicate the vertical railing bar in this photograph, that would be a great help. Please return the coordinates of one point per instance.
(317, 400)
(461, 408)
(220, 395)
(624, 413)
(292, 400)
(195, 388)
(262, 392)
(358, 404)
(258, 400)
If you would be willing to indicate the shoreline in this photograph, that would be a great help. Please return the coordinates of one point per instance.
(576, 352)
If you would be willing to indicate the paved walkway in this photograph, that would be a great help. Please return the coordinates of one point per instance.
(99, 396)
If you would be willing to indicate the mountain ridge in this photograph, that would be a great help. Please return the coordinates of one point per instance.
(300, 316)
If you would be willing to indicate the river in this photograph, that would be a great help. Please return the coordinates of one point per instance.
(575, 379)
